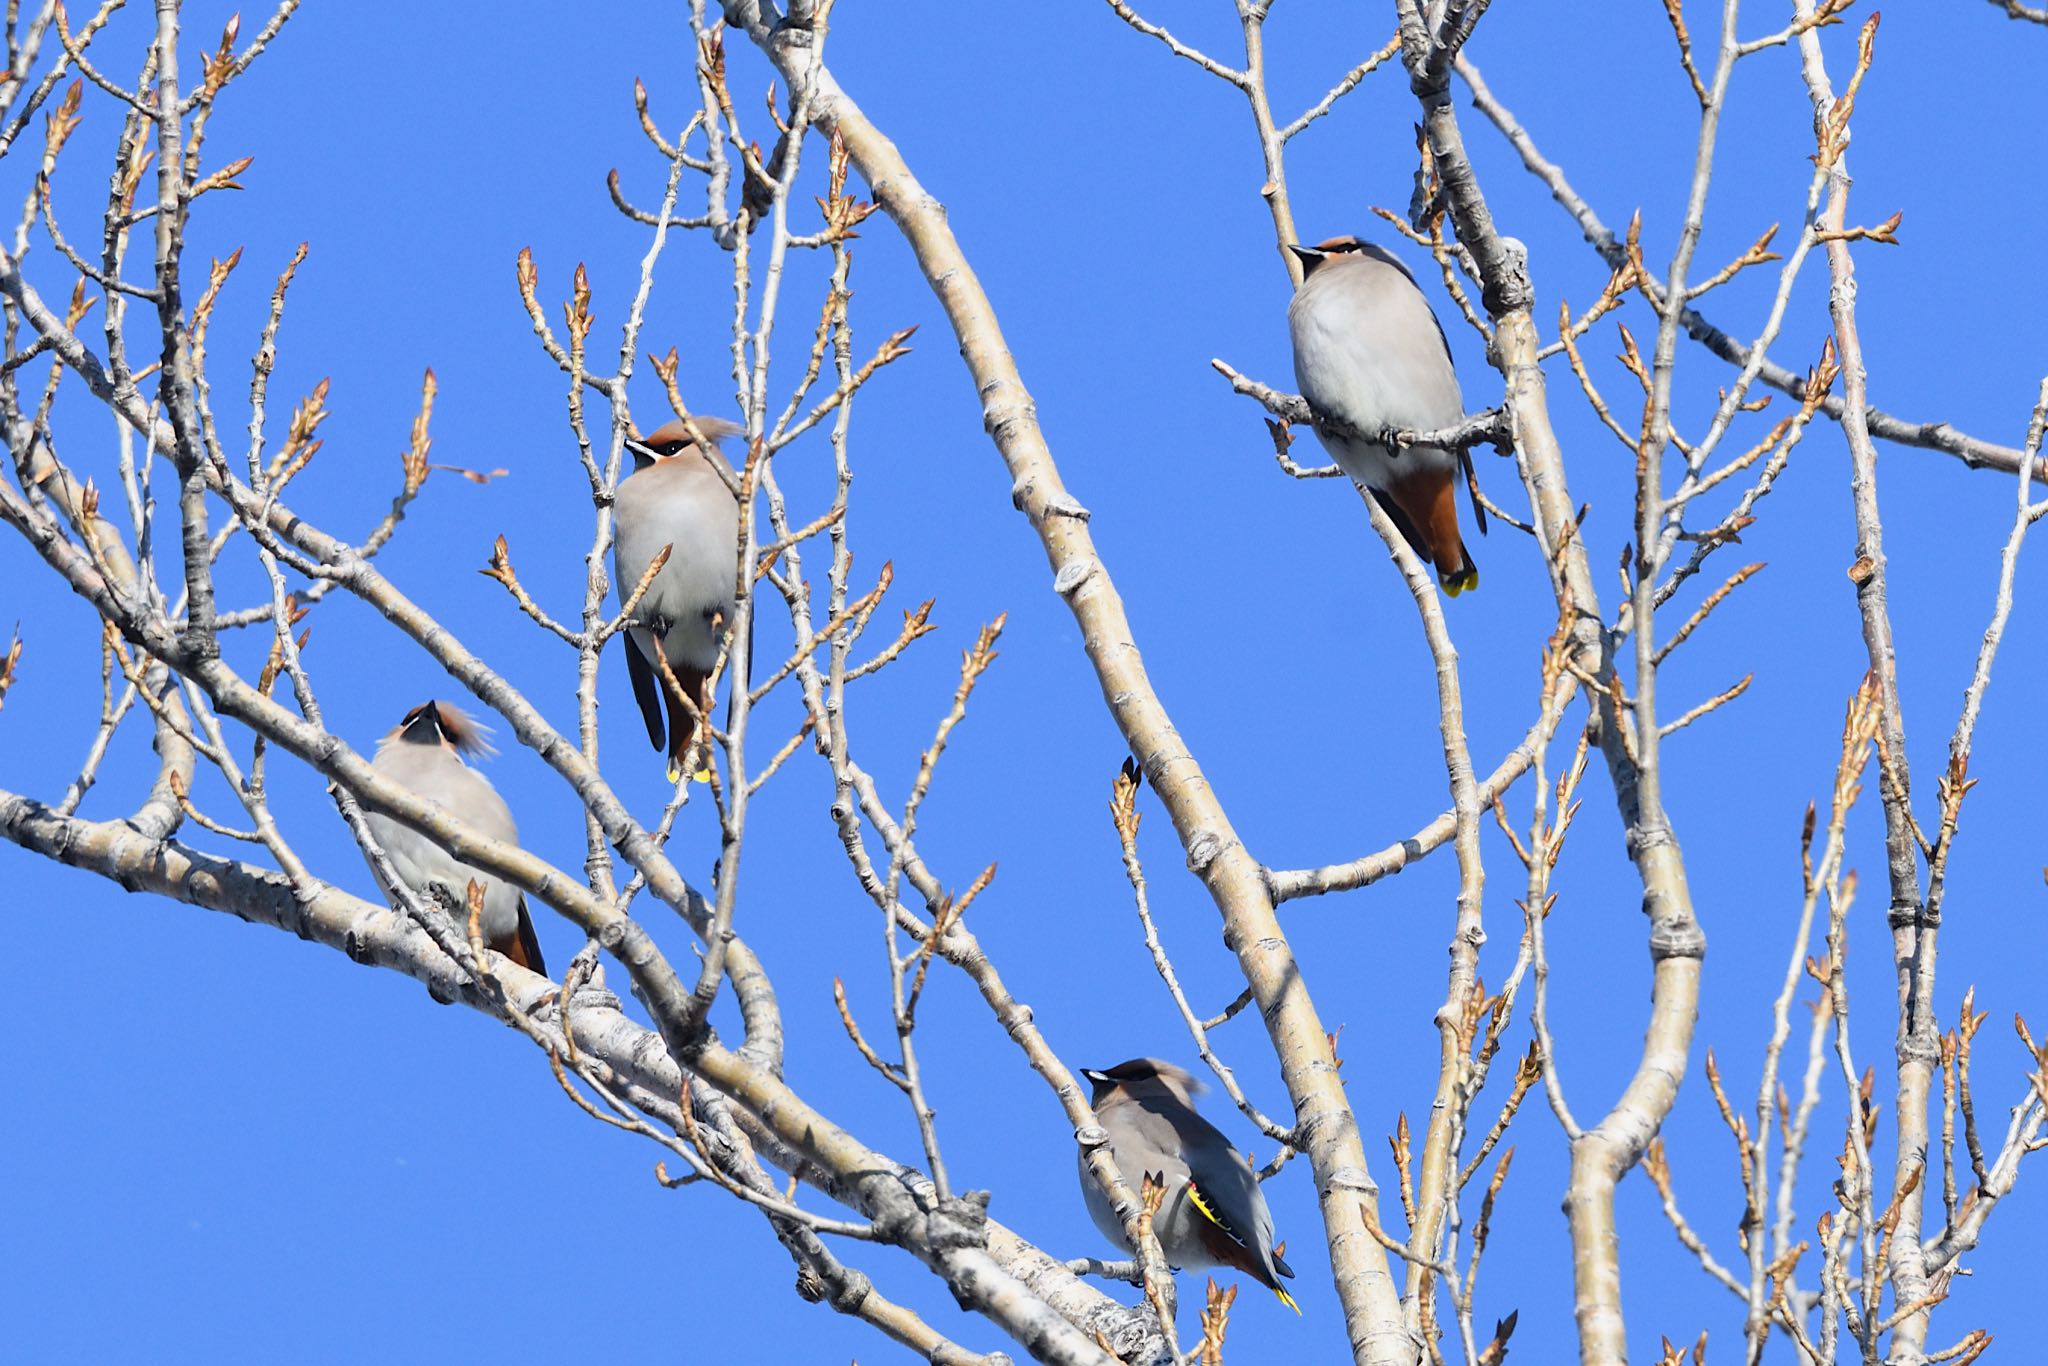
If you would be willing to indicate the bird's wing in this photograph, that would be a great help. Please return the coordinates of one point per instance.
(645, 690)
(1402, 523)
(1385, 257)
(1223, 1188)
(1440, 335)
(1472, 487)
(528, 956)
(1208, 1203)
(1250, 1251)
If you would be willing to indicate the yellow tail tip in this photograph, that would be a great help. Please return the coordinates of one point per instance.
(675, 774)
(702, 775)
(1287, 1299)
(1464, 582)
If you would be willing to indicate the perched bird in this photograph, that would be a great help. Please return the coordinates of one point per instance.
(1369, 352)
(675, 498)
(1214, 1213)
(425, 754)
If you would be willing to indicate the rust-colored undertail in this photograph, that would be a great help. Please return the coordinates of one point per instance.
(682, 722)
(1402, 523)
(1431, 501)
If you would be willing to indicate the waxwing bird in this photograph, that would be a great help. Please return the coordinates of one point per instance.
(425, 754)
(675, 498)
(1214, 1213)
(1369, 352)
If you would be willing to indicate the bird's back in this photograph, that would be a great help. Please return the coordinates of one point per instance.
(1145, 1134)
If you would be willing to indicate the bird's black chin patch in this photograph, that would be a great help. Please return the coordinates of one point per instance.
(423, 725)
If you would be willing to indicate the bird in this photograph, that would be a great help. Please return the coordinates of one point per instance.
(1369, 352)
(675, 498)
(424, 753)
(1214, 1213)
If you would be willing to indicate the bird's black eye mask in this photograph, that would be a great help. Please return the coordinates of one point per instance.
(1323, 253)
(1104, 1080)
(645, 455)
(1310, 258)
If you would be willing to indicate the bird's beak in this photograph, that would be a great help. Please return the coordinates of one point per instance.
(1095, 1076)
(640, 450)
(1308, 256)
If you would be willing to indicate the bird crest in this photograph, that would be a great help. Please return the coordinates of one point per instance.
(444, 723)
(673, 438)
(1146, 1069)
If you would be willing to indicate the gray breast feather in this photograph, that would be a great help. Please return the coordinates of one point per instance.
(1368, 352)
(670, 503)
(436, 774)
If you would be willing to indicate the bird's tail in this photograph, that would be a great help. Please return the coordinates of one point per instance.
(1458, 580)
(1428, 517)
(1280, 1265)
(1454, 567)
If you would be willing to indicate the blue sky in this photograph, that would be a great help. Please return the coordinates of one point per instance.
(228, 1144)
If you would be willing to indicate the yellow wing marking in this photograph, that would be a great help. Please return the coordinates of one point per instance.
(1202, 1208)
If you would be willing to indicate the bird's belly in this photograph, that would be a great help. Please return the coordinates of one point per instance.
(1366, 462)
(1176, 1225)
(1180, 1236)
(691, 588)
(420, 864)
(1365, 388)
(1099, 1208)
(1372, 464)
(690, 643)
